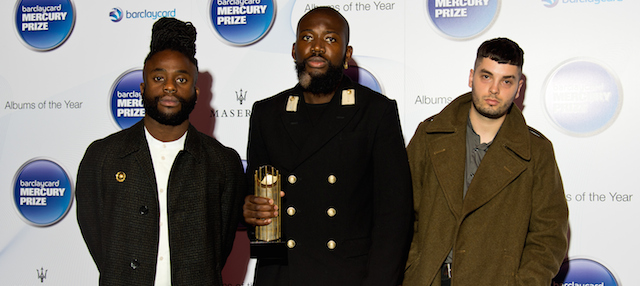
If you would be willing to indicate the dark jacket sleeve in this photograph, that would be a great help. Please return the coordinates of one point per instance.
(89, 201)
(393, 215)
(232, 197)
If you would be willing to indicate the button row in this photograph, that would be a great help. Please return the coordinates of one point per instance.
(331, 212)
(331, 244)
(293, 179)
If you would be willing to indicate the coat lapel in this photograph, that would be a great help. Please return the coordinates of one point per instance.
(447, 149)
(295, 121)
(502, 164)
(137, 146)
(448, 157)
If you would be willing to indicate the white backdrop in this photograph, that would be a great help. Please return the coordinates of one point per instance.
(580, 59)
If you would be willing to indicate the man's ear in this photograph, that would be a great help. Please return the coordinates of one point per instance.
(348, 54)
(520, 85)
(293, 52)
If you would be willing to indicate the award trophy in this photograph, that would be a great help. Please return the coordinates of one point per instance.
(268, 243)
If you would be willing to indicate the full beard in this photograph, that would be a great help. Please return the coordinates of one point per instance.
(319, 84)
(174, 119)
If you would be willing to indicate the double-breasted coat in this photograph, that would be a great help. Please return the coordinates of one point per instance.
(118, 212)
(510, 229)
(346, 212)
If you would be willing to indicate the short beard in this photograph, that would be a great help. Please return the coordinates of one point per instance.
(490, 113)
(320, 84)
(186, 106)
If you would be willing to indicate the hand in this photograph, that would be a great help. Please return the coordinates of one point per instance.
(258, 210)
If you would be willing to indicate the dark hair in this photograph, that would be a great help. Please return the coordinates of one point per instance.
(501, 50)
(328, 9)
(173, 34)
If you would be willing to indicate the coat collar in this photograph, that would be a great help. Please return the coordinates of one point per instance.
(308, 138)
(513, 134)
(502, 164)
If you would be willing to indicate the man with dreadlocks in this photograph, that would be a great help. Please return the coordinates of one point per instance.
(158, 203)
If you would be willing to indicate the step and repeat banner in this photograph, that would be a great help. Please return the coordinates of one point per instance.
(70, 74)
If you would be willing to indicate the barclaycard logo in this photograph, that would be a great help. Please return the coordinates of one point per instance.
(553, 3)
(115, 14)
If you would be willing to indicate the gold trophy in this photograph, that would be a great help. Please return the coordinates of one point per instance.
(267, 185)
(268, 243)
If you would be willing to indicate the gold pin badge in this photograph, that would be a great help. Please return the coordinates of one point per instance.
(292, 103)
(349, 97)
(120, 176)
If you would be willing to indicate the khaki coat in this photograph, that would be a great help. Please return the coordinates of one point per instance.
(510, 229)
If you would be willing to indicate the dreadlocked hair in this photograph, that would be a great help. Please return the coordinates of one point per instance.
(173, 34)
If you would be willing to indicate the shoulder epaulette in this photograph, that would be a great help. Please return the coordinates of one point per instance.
(536, 132)
(430, 118)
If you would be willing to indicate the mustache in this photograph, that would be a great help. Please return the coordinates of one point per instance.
(315, 55)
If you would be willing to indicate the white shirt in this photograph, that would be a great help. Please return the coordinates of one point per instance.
(162, 156)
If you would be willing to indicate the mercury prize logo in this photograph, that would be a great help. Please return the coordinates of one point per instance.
(115, 15)
(44, 24)
(582, 97)
(42, 192)
(242, 22)
(126, 99)
(462, 19)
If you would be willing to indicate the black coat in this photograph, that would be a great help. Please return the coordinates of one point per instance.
(119, 220)
(352, 164)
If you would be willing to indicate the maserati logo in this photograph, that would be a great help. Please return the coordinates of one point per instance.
(240, 96)
(42, 274)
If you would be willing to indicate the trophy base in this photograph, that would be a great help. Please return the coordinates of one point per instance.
(268, 250)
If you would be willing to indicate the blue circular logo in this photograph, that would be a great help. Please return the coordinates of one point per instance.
(242, 22)
(126, 99)
(550, 3)
(363, 77)
(44, 24)
(42, 192)
(583, 271)
(582, 97)
(464, 18)
(115, 14)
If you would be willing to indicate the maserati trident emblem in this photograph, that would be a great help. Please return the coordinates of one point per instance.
(240, 96)
(42, 274)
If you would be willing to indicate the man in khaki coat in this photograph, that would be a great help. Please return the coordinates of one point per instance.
(488, 197)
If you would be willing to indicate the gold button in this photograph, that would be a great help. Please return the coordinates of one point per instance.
(331, 244)
(331, 212)
(291, 243)
(291, 211)
(292, 179)
(331, 179)
(120, 176)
